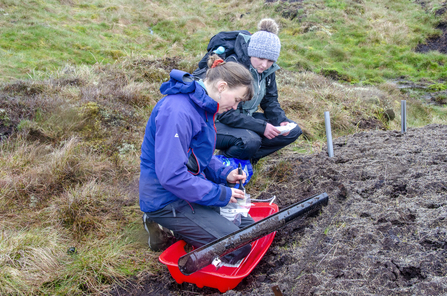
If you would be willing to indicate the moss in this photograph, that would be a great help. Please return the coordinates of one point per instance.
(90, 110)
(437, 87)
(374, 81)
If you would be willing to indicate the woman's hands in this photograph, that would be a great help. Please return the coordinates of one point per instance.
(234, 177)
(236, 193)
(271, 132)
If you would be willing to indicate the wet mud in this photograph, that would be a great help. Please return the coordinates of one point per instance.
(383, 232)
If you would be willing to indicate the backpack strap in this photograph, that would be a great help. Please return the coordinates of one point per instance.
(223, 44)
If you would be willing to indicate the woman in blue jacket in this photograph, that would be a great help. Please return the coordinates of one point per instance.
(182, 185)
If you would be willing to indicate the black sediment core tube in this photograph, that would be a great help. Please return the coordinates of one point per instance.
(203, 256)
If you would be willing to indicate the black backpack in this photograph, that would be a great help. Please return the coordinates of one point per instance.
(224, 39)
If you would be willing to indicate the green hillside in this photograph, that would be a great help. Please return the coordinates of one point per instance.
(357, 41)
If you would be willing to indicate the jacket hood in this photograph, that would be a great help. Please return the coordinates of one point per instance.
(241, 50)
(183, 83)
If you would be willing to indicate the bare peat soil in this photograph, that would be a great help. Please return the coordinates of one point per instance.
(438, 43)
(384, 231)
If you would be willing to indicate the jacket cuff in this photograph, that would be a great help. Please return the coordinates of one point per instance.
(225, 196)
(260, 129)
(226, 171)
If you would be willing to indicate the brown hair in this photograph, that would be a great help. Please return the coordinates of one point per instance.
(232, 73)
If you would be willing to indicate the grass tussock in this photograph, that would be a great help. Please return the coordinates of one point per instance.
(29, 256)
(36, 261)
(84, 208)
(70, 170)
(37, 173)
(91, 270)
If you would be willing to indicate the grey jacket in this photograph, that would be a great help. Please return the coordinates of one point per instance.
(266, 95)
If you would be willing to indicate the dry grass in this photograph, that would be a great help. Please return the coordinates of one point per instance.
(37, 173)
(29, 257)
(69, 168)
(306, 96)
(386, 32)
(35, 261)
(70, 171)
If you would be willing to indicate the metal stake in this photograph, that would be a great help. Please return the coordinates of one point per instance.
(327, 123)
(403, 115)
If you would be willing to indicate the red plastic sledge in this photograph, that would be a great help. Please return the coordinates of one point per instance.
(225, 278)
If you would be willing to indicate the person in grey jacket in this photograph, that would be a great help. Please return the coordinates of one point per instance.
(245, 133)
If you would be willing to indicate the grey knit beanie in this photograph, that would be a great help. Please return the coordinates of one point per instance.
(265, 43)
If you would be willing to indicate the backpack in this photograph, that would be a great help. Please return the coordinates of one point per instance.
(222, 44)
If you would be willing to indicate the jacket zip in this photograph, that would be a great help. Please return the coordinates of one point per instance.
(191, 207)
(214, 125)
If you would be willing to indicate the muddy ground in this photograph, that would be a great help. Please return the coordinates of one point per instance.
(384, 231)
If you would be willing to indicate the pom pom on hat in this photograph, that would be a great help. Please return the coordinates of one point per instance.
(268, 25)
(265, 43)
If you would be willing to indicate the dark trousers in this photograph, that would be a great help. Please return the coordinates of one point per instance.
(199, 225)
(246, 144)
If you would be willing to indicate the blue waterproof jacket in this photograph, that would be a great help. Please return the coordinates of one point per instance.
(180, 129)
